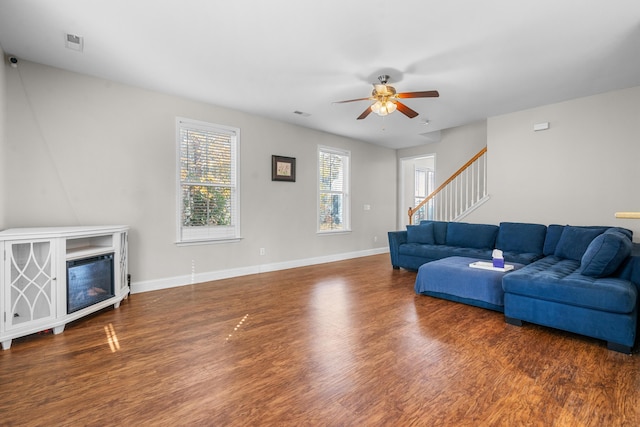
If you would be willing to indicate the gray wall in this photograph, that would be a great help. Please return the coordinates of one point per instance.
(85, 151)
(580, 171)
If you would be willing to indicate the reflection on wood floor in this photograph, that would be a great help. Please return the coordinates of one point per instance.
(341, 344)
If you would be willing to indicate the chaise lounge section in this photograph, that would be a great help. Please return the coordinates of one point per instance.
(587, 283)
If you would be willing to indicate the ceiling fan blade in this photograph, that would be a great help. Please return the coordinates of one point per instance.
(406, 110)
(423, 94)
(365, 113)
(351, 100)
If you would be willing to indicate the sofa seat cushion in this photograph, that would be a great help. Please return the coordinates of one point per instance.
(441, 251)
(559, 280)
(474, 253)
(521, 258)
(422, 250)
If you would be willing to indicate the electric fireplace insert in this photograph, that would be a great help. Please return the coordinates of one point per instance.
(89, 281)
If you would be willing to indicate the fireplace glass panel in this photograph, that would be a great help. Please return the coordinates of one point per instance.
(89, 281)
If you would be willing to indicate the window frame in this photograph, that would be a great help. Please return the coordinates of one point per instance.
(209, 234)
(346, 192)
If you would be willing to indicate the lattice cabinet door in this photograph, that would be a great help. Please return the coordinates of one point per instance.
(30, 275)
(124, 270)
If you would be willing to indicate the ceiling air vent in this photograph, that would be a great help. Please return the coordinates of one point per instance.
(74, 42)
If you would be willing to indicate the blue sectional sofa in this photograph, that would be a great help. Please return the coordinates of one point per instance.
(581, 279)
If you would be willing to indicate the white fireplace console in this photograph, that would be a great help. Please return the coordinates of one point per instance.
(33, 275)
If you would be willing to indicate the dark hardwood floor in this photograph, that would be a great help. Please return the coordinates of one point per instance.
(341, 344)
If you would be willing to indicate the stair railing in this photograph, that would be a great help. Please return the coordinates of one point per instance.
(459, 194)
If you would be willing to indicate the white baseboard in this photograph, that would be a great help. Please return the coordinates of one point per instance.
(171, 282)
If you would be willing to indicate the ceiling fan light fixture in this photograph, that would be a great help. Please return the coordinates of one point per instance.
(383, 108)
(391, 107)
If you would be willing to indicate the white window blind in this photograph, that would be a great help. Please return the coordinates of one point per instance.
(333, 190)
(208, 205)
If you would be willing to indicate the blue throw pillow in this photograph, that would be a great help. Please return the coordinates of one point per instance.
(422, 233)
(605, 254)
(439, 230)
(624, 231)
(574, 241)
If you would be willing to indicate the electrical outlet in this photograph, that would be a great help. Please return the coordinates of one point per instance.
(375, 238)
(262, 251)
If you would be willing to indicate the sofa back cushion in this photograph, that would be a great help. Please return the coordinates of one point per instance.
(574, 241)
(554, 231)
(439, 230)
(605, 254)
(521, 237)
(422, 233)
(479, 236)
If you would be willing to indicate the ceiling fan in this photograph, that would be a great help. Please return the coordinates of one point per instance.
(386, 99)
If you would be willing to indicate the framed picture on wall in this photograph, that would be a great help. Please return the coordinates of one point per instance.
(283, 168)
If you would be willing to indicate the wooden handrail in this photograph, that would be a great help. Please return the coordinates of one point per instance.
(444, 184)
(628, 215)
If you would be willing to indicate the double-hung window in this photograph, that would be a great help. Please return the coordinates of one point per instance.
(333, 190)
(208, 192)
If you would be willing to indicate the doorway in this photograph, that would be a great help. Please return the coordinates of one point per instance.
(417, 181)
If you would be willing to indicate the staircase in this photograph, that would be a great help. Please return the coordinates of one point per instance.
(458, 196)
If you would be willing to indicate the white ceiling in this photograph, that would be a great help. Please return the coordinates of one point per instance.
(274, 57)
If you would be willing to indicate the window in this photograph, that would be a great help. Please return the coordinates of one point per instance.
(333, 190)
(208, 194)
